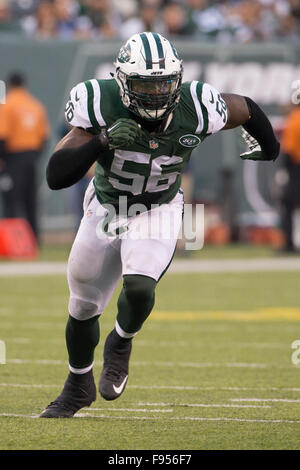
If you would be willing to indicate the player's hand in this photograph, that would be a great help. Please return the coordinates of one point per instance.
(123, 133)
(254, 153)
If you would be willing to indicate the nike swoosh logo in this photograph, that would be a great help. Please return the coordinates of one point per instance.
(119, 389)
(76, 97)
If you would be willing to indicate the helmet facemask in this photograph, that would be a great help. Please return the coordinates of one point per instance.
(151, 98)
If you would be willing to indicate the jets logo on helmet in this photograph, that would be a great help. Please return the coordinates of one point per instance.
(149, 74)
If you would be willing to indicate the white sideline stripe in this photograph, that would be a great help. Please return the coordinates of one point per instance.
(154, 363)
(32, 269)
(184, 418)
(202, 364)
(143, 343)
(40, 268)
(36, 361)
(204, 405)
(20, 340)
(236, 265)
(29, 385)
(144, 410)
(241, 420)
(16, 415)
(170, 387)
(189, 418)
(282, 400)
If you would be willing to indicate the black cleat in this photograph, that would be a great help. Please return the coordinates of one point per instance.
(114, 375)
(79, 391)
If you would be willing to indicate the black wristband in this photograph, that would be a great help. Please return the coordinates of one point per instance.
(261, 129)
(69, 165)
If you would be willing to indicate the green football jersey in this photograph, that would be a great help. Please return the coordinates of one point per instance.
(149, 170)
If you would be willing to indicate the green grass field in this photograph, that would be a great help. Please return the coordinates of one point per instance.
(211, 368)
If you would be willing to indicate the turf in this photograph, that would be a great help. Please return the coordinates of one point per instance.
(50, 252)
(215, 348)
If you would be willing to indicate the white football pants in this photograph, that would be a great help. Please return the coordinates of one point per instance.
(99, 257)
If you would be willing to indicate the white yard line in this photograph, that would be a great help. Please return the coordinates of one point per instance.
(143, 410)
(241, 420)
(189, 418)
(183, 418)
(236, 265)
(143, 343)
(40, 268)
(16, 415)
(29, 385)
(37, 268)
(170, 387)
(281, 400)
(156, 363)
(203, 405)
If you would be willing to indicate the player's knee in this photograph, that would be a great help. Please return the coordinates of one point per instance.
(139, 288)
(82, 309)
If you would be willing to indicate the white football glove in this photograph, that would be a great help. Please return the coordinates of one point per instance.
(254, 152)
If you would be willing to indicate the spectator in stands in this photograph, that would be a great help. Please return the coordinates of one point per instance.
(176, 21)
(290, 145)
(221, 20)
(105, 19)
(46, 20)
(147, 19)
(65, 12)
(24, 129)
(7, 21)
(210, 20)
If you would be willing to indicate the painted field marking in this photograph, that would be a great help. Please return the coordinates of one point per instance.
(284, 314)
(2, 352)
(222, 389)
(282, 400)
(44, 268)
(241, 420)
(189, 418)
(57, 362)
(159, 363)
(203, 405)
(262, 314)
(170, 387)
(143, 343)
(151, 418)
(17, 415)
(29, 385)
(143, 410)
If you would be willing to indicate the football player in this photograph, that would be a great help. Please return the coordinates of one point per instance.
(140, 128)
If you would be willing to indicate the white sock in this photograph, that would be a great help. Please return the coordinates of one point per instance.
(84, 370)
(123, 333)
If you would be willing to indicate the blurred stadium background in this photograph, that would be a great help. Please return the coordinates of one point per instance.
(246, 47)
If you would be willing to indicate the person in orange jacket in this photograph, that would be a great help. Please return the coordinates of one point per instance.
(290, 143)
(24, 129)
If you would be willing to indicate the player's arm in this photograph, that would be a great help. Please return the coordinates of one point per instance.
(72, 158)
(258, 132)
(87, 141)
(79, 149)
